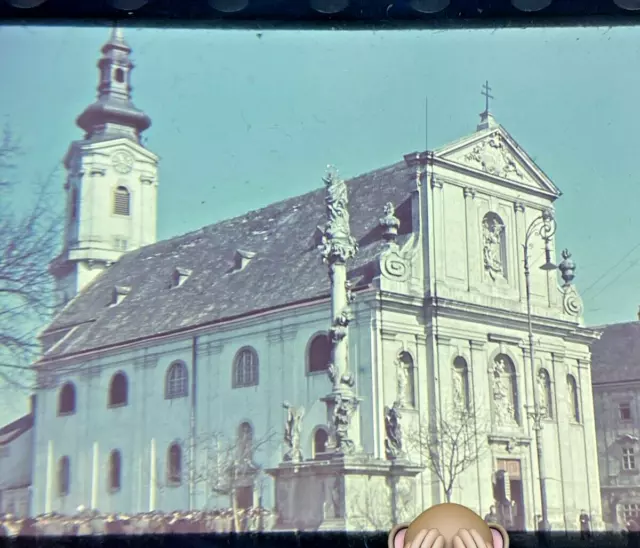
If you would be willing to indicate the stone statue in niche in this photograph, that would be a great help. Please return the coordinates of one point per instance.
(492, 236)
(292, 428)
(393, 443)
(402, 377)
(459, 389)
(504, 411)
(542, 392)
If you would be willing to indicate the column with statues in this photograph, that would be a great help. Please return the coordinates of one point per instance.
(338, 246)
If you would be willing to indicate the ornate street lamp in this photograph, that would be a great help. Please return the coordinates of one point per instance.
(543, 227)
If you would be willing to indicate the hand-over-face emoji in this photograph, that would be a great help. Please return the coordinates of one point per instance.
(448, 526)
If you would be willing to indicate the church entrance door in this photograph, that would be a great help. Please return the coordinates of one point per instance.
(509, 488)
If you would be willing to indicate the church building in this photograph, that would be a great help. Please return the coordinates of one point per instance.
(170, 357)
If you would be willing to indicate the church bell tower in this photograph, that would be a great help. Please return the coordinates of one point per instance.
(111, 183)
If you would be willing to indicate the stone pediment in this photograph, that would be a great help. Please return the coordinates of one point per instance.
(494, 152)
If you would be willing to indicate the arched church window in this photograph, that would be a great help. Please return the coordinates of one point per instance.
(121, 201)
(118, 390)
(320, 441)
(494, 246)
(119, 75)
(319, 353)
(115, 470)
(67, 399)
(461, 383)
(574, 400)
(176, 381)
(545, 397)
(245, 368)
(406, 378)
(64, 476)
(505, 391)
(174, 464)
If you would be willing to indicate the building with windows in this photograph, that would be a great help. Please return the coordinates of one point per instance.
(165, 373)
(16, 465)
(616, 393)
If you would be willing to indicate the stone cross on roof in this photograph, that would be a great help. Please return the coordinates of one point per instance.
(486, 91)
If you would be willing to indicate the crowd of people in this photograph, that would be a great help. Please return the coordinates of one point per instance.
(91, 522)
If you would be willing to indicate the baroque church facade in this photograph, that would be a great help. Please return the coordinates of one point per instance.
(167, 357)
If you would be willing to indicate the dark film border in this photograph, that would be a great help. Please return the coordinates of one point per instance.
(451, 13)
(302, 540)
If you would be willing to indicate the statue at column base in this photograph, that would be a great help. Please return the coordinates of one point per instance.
(341, 406)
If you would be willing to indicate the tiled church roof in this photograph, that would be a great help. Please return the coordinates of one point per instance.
(616, 356)
(287, 267)
(15, 429)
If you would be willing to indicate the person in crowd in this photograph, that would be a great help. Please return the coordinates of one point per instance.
(492, 516)
(585, 525)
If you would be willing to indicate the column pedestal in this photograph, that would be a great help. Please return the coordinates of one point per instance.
(341, 493)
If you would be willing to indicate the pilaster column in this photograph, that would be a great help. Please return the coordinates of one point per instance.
(443, 368)
(95, 475)
(474, 260)
(481, 398)
(48, 504)
(590, 444)
(558, 365)
(520, 222)
(153, 477)
(437, 224)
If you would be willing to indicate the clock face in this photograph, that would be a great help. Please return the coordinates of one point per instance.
(122, 161)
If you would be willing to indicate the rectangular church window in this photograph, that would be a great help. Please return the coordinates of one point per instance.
(628, 459)
(624, 410)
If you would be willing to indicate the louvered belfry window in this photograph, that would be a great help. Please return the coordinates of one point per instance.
(121, 201)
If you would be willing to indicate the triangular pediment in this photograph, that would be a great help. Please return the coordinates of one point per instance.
(495, 153)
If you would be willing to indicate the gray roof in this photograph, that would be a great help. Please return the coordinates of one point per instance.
(16, 428)
(616, 356)
(287, 267)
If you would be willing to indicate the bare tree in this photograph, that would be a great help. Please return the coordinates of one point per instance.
(452, 443)
(29, 237)
(224, 465)
(380, 505)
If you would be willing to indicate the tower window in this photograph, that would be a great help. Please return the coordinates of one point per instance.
(121, 201)
(74, 203)
(119, 75)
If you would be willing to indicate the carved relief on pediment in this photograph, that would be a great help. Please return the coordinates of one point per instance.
(492, 155)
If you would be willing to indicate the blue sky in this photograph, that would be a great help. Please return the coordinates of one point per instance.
(241, 119)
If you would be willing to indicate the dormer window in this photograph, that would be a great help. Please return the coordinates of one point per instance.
(179, 276)
(119, 294)
(242, 259)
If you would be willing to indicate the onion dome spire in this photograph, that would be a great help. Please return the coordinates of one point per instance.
(113, 113)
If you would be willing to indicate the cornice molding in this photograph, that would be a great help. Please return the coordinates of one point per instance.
(505, 339)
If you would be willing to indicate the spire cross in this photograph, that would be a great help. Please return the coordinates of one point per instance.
(487, 95)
